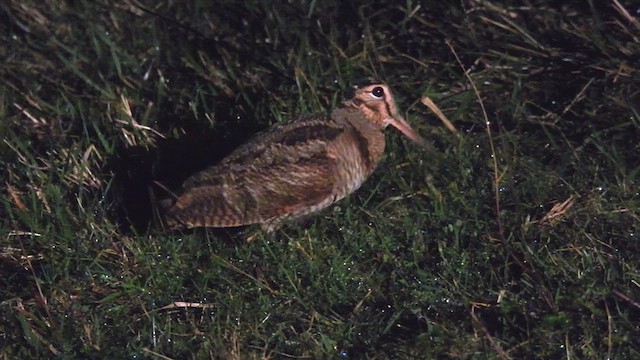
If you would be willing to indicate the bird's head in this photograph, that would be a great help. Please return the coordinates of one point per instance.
(376, 102)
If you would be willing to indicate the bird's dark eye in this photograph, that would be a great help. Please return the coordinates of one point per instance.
(378, 92)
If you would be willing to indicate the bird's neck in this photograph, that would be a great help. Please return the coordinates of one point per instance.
(369, 135)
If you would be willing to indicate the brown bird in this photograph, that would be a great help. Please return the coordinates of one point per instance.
(294, 168)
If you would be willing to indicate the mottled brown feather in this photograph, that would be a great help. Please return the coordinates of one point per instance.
(294, 168)
(255, 197)
(277, 176)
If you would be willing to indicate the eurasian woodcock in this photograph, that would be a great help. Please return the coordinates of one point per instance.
(294, 168)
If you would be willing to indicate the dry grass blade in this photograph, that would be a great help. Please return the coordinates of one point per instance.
(15, 196)
(184, 304)
(579, 96)
(436, 110)
(627, 298)
(133, 133)
(156, 354)
(625, 13)
(557, 212)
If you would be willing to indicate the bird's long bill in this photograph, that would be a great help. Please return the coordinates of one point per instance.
(401, 124)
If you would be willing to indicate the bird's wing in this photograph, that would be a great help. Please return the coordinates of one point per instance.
(284, 143)
(285, 173)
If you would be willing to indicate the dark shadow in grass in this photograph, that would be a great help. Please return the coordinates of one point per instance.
(137, 170)
(14, 275)
(404, 329)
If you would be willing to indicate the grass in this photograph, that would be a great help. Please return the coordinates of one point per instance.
(518, 239)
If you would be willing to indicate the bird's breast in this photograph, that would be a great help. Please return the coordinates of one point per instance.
(356, 154)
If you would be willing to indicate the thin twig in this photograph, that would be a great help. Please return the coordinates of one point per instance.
(436, 110)
(503, 355)
(626, 14)
(626, 298)
(232, 267)
(156, 354)
(496, 176)
(610, 330)
(575, 100)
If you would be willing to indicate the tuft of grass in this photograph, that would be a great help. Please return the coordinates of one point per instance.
(517, 239)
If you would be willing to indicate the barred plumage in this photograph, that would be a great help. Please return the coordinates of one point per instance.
(294, 168)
